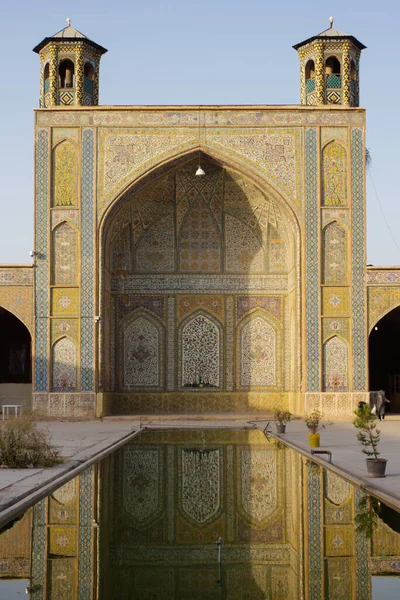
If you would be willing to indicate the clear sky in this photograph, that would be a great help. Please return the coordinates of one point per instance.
(209, 52)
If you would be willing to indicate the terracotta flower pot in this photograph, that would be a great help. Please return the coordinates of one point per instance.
(376, 467)
(314, 440)
(280, 428)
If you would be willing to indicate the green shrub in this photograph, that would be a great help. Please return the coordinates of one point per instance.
(23, 444)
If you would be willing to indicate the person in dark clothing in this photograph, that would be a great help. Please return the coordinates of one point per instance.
(378, 400)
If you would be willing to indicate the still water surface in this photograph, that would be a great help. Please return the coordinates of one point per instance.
(210, 515)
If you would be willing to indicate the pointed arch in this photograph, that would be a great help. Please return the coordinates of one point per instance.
(258, 352)
(141, 364)
(65, 174)
(64, 254)
(64, 365)
(335, 365)
(335, 253)
(334, 174)
(201, 352)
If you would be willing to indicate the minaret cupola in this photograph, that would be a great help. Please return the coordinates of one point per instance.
(329, 68)
(69, 69)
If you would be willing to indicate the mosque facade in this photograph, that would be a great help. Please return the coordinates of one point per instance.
(198, 259)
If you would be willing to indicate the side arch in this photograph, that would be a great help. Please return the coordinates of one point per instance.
(259, 352)
(141, 356)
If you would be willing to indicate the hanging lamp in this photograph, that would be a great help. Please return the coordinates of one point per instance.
(200, 171)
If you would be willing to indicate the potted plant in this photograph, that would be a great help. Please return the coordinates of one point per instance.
(313, 422)
(282, 418)
(368, 436)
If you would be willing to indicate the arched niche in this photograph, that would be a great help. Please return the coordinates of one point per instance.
(334, 174)
(334, 254)
(335, 365)
(201, 352)
(64, 255)
(141, 359)
(258, 352)
(65, 175)
(64, 365)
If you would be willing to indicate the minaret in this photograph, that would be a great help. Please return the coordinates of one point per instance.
(329, 68)
(69, 69)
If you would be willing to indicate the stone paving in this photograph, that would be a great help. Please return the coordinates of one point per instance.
(84, 441)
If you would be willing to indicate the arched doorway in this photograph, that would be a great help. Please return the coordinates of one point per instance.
(200, 279)
(384, 357)
(15, 360)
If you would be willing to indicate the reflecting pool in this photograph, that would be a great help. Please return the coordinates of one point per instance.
(210, 515)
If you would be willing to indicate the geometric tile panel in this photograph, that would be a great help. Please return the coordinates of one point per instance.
(87, 257)
(64, 301)
(41, 244)
(312, 332)
(335, 300)
(358, 307)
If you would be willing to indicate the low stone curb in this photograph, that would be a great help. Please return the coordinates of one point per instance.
(39, 484)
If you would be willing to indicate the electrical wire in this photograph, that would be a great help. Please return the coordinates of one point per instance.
(382, 212)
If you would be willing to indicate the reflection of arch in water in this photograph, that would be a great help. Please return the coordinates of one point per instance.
(144, 232)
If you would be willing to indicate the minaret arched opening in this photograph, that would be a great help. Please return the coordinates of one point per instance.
(66, 74)
(46, 78)
(333, 80)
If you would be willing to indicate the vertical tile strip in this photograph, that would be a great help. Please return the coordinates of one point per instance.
(171, 343)
(85, 535)
(41, 247)
(87, 265)
(363, 591)
(314, 532)
(358, 259)
(229, 359)
(38, 551)
(312, 263)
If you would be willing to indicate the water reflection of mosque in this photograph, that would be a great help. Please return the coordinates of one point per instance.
(150, 515)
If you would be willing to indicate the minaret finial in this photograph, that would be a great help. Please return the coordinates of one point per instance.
(68, 21)
(331, 19)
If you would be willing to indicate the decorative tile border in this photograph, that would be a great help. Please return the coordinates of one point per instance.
(41, 245)
(383, 277)
(38, 551)
(334, 404)
(358, 259)
(85, 579)
(71, 405)
(87, 256)
(362, 560)
(315, 556)
(312, 262)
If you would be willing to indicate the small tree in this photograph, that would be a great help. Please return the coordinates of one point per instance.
(313, 421)
(282, 416)
(368, 435)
